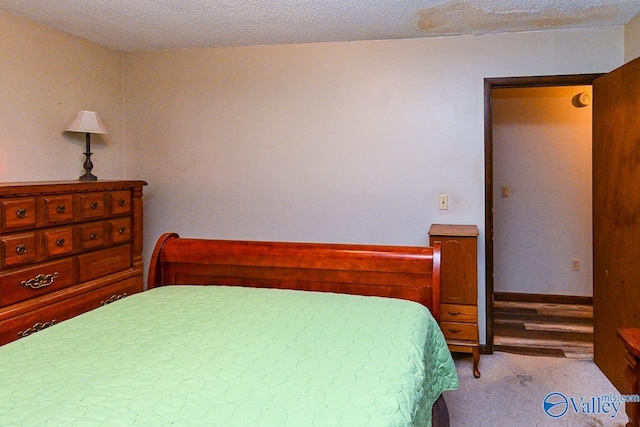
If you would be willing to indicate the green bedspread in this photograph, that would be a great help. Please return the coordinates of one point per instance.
(230, 356)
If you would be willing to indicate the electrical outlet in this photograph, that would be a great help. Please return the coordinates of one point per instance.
(506, 191)
(575, 264)
(443, 202)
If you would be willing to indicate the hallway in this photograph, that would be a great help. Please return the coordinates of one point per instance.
(544, 329)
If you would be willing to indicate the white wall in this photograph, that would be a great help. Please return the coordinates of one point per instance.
(341, 142)
(344, 142)
(46, 77)
(542, 152)
(632, 39)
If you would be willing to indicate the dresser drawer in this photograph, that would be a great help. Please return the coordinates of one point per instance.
(18, 213)
(118, 291)
(120, 202)
(460, 331)
(120, 230)
(459, 313)
(37, 320)
(91, 205)
(92, 235)
(58, 241)
(58, 209)
(18, 249)
(35, 281)
(101, 263)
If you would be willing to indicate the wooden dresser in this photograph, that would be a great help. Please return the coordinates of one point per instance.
(66, 248)
(459, 287)
(631, 339)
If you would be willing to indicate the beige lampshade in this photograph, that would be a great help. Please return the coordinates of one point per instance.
(88, 122)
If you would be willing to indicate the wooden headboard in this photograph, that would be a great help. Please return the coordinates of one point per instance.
(411, 273)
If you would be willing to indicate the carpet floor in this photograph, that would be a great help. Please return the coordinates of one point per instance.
(513, 387)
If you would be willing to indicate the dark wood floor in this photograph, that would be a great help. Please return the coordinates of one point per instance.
(533, 328)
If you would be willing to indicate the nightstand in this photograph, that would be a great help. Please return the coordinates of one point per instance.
(631, 339)
(459, 288)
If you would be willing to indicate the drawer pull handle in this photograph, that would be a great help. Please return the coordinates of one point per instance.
(94, 205)
(113, 298)
(454, 313)
(121, 230)
(93, 236)
(21, 213)
(60, 242)
(35, 328)
(122, 202)
(454, 331)
(61, 209)
(21, 249)
(40, 281)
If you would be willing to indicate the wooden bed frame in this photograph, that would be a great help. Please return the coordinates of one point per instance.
(411, 273)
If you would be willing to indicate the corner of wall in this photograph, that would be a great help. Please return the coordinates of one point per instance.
(632, 39)
(125, 164)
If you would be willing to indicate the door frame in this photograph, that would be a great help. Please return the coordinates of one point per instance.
(489, 85)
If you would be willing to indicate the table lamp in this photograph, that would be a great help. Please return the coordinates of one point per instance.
(87, 122)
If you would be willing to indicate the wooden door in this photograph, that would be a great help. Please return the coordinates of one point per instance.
(616, 215)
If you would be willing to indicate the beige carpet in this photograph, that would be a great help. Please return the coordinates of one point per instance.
(512, 389)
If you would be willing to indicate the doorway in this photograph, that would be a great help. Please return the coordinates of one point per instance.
(493, 87)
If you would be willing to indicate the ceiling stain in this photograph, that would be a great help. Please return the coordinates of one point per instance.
(462, 17)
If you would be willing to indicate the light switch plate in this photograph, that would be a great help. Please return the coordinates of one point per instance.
(443, 202)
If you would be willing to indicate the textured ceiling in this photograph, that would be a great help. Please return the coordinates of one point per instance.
(131, 25)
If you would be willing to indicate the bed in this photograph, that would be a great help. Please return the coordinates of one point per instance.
(281, 334)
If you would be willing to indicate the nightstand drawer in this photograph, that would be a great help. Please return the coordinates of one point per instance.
(460, 331)
(459, 313)
(35, 281)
